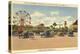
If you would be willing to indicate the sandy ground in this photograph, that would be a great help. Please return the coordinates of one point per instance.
(39, 43)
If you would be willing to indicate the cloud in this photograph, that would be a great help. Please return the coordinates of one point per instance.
(37, 14)
(39, 17)
(54, 13)
(70, 18)
(47, 21)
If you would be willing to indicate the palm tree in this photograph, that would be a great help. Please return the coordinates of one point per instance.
(54, 24)
(51, 27)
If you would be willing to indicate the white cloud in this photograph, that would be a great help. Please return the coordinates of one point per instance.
(54, 13)
(37, 14)
(48, 20)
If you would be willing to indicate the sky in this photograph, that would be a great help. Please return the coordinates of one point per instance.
(47, 14)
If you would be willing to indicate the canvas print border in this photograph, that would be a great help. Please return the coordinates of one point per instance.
(35, 3)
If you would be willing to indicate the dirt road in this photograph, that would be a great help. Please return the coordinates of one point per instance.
(39, 43)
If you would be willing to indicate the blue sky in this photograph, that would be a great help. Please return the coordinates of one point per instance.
(48, 14)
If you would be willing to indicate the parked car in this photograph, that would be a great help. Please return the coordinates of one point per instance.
(70, 34)
(60, 34)
(27, 34)
(47, 34)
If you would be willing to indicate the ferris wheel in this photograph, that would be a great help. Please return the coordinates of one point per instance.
(23, 17)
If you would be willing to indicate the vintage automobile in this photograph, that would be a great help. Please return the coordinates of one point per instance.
(61, 34)
(70, 34)
(27, 34)
(47, 34)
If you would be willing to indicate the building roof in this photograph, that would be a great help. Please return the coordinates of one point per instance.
(75, 23)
